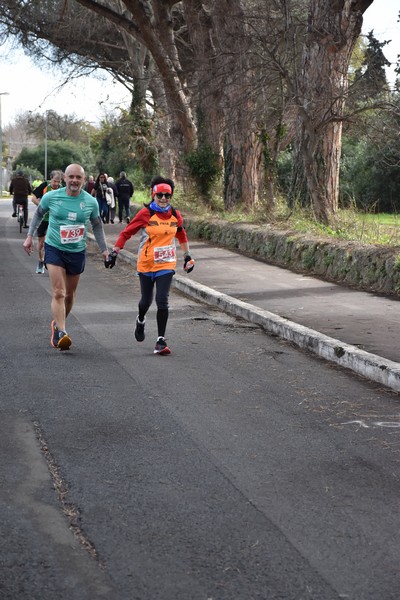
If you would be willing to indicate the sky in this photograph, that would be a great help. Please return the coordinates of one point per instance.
(31, 88)
(382, 16)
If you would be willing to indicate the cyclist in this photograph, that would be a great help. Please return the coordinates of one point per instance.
(37, 194)
(20, 188)
(70, 210)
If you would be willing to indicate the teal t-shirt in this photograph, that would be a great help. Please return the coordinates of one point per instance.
(68, 218)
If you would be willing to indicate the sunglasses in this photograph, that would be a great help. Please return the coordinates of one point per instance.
(160, 195)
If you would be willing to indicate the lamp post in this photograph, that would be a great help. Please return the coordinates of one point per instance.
(45, 145)
(1, 147)
(90, 155)
(88, 124)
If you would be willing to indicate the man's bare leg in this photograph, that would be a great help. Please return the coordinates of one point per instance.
(63, 293)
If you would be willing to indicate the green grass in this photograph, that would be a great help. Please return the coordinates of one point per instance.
(383, 219)
(381, 229)
(350, 224)
(141, 197)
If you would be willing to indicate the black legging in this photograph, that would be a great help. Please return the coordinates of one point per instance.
(123, 203)
(163, 284)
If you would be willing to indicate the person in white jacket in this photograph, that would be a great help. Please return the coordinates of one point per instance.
(112, 197)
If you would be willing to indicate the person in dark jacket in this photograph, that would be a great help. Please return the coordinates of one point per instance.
(20, 188)
(89, 185)
(125, 192)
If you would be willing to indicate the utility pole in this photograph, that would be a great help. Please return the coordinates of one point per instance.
(1, 147)
(45, 144)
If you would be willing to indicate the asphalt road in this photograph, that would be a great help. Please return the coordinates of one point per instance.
(238, 467)
(354, 329)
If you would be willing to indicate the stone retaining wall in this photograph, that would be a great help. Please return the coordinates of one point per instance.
(367, 267)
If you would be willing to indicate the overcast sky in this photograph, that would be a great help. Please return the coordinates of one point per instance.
(33, 89)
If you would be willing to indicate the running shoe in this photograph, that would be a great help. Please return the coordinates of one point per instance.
(59, 339)
(40, 268)
(54, 334)
(161, 346)
(139, 330)
(64, 341)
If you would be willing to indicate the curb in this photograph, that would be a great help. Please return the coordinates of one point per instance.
(368, 365)
(372, 367)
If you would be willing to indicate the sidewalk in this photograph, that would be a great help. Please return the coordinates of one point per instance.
(356, 330)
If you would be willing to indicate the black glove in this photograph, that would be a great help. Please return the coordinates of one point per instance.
(188, 264)
(111, 260)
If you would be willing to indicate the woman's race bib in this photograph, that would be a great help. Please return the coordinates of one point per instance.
(70, 234)
(164, 254)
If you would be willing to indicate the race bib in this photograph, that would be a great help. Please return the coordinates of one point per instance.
(70, 234)
(164, 254)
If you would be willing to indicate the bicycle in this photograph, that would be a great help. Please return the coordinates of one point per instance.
(20, 216)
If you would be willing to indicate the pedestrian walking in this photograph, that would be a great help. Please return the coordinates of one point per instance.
(160, 223)
(99, 192)
(125, 192)
(112, 197)
(70, 210)
(89, 185)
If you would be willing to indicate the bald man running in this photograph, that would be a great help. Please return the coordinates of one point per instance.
(70, 210)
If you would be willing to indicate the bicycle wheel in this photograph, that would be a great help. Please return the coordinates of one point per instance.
(20, 220)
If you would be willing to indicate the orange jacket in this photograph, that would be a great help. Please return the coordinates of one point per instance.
(157, 249)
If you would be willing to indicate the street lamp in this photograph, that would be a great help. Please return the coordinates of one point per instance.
(45, 145)
(46, 119)
(90, 164)
(88, 124)
(1, 147)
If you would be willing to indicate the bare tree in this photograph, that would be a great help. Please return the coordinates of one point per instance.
(333, 29)
(201, 71)
(277, 39)
(201, 62)
(17, 136)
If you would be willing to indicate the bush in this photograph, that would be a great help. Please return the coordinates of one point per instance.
(204, 168)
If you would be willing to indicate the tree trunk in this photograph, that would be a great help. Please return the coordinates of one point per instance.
(207, 91)
(243, 177)
(334, 26)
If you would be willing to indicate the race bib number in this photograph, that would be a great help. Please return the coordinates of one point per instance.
(164, 254)
(70, 234)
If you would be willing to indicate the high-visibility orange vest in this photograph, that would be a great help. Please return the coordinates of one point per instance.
(157, 250)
